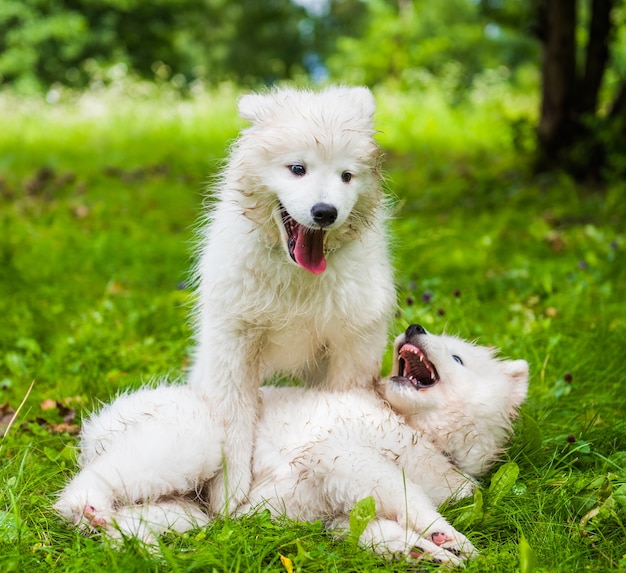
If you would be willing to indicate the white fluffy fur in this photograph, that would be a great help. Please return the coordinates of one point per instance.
(259, 312)
(150, 444)
(316, 453)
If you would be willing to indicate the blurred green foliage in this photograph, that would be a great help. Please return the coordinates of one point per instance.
(70, 41)
(406, 41)
(197, 43)
(75, 42)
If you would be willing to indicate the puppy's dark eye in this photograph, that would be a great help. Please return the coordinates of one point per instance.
(346, 177)
(297, 169)
(458, 359)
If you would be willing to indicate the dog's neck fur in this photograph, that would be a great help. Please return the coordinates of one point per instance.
(471, 444)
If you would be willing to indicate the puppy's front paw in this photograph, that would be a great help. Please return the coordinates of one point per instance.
(424, 548)
(439, 538)
(414, 545)
(451, 540)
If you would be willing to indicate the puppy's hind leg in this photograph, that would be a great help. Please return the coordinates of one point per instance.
(143, 446)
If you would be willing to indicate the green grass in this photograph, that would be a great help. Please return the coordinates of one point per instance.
(99, 198)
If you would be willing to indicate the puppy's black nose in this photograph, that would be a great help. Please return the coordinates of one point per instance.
(414, 330)
(323, 214)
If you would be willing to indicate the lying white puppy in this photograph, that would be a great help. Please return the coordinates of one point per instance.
(446, 414)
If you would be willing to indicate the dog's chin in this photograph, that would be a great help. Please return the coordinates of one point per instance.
(403, 397)
(411, 383)
(303, 245)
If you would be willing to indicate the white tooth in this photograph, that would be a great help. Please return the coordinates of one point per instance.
(432, 375)
(421, 358)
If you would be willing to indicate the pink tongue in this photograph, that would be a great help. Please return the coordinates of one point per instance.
(309, 250)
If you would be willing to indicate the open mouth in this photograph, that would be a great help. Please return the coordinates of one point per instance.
(305, 245)
(415, 368)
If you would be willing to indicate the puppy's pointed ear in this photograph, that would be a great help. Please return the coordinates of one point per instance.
(518, 372)
(364, 99)
(360, 101)
(254, 108)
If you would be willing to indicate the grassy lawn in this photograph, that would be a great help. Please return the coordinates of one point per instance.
(99, 202)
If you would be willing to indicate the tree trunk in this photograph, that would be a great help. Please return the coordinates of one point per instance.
(597, 55)
(556, 123)
(618, 109)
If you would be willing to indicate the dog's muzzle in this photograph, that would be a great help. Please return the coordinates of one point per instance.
(305, 245)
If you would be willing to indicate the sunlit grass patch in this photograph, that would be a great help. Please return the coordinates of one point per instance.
(93, 131)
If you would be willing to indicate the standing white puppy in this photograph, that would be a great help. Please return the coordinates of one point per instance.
(294, 276)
